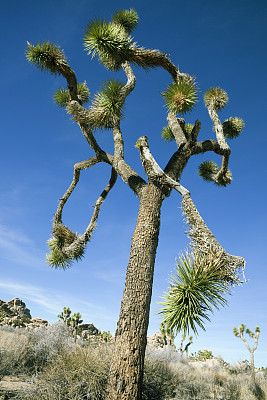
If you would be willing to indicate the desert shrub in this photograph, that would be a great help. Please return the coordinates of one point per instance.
(78, 373)
(25, 352)
(159, 381)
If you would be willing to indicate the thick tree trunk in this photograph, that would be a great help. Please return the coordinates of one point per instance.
(126, 372)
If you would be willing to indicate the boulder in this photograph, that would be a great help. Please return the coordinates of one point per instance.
(15, 308)
(90, 329)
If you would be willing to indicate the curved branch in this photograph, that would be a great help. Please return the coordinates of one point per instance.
(154, 58)
(221, 175)
(71, 251)
(76, 176)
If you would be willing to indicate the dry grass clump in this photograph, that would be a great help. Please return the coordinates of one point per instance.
(80, 373)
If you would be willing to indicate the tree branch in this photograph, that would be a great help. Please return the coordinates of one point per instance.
(79, 243)
(202, 239)
(153, 170)
(176, 129)
(76, 176)
(221, 175)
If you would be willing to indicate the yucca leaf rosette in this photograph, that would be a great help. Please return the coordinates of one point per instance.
(62, 238)
(181, 97)
(167, 134)
(232, 127)
(46, 56)
(109, 41)
(107, 105)
(127, 18)
(216, 97)
(62, 96)
(196, 288)
(208, 170)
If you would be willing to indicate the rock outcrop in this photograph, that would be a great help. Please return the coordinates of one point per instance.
(14, 308)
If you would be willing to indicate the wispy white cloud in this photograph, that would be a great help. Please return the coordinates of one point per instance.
(17, 247)
(52, 302)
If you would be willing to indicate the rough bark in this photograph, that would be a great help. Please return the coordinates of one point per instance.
(126, 372)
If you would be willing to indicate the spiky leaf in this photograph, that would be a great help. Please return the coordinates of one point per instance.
(167, 134)
(208, 170)
(216, 97)
(181, 97)
(107, 105)
(188, 129)
(196, 288)
(232, 127)
(46, 56)
(127, 18)
(62, 96)
(109, 41)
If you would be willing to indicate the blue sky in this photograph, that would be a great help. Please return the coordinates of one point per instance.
(223, 44)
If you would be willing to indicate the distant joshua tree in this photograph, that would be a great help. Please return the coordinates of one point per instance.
(113, 44)
(240, 333)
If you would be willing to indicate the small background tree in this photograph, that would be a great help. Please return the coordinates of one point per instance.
(240, 333)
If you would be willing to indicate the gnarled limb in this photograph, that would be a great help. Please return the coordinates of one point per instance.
(176, 129)
(153, 170)
(76, 176)
(221, 177)
(65, 245)
(203, 240)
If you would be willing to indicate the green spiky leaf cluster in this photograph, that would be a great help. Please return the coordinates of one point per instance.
(62, 96)
(188, 129)
(46, 56)
(208, 171)
(109, 41)
(126, 18)
(216, 97)
(167, 134)
(181, 97)
(107, 105)
(196, 288)
(232, 127)
(63, 237)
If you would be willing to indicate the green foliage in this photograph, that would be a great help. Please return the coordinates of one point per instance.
(167, 134)
(181, 97)
(65, 315)
(63, 237)
(208, 171)
(215, 97)
(46, 56)
(203, 355)
(3, 314)
(107, 105)
(62, 96)
(196, 288)
(126, 18)
(232, 127)
(188, 129)
(106, 336)
(109, 41)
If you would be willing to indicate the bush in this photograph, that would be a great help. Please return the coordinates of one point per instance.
(25, 352)
(80, 373)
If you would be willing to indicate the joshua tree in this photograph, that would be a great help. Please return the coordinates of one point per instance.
(240, 333)
(112, 43)
(65, 315)
(167, 335)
